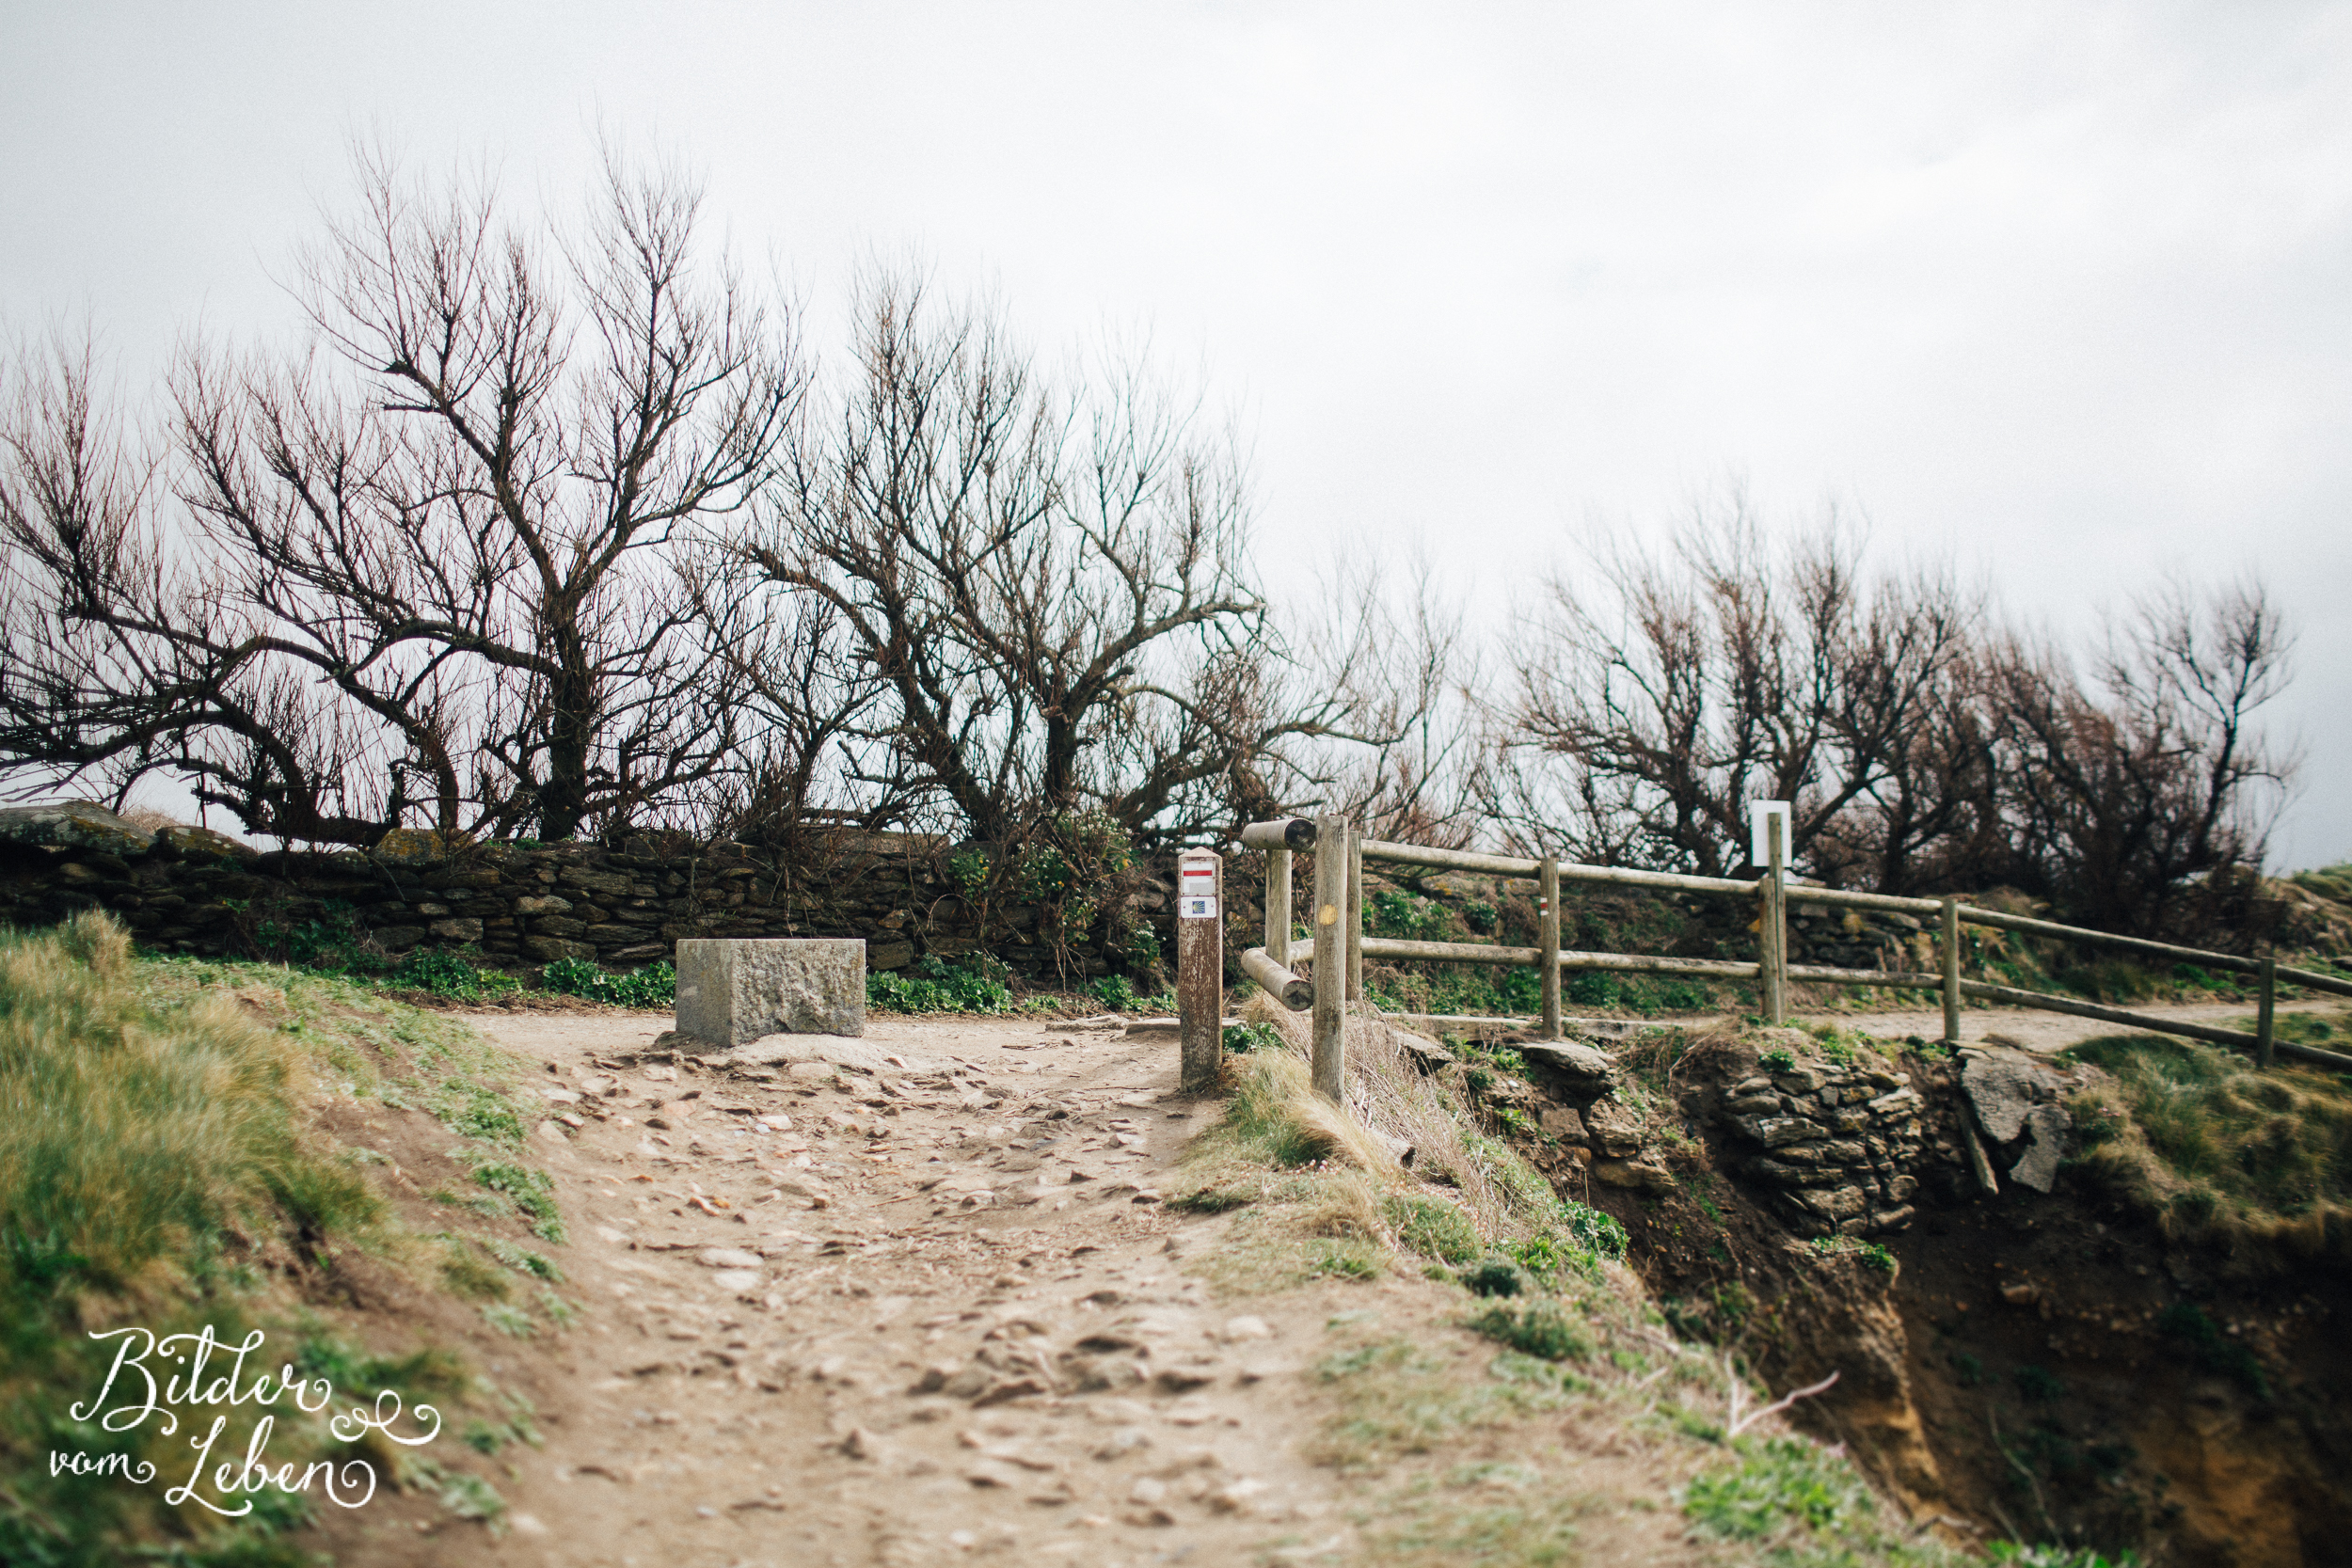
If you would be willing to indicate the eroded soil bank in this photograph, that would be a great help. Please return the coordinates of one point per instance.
(2018, 1366)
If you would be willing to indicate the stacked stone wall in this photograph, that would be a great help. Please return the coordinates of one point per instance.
(1834, 1146)
(184, 891)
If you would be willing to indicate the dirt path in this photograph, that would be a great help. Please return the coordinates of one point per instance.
(926, 1316)
(2025, 1029)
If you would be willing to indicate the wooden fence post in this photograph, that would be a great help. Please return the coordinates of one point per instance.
(1201, 966)
(1277, 905)
(1952, 969)
(2265, 1015)
(1354, 913)
(1330, 1010)
(1774, 942)
(1548, 943)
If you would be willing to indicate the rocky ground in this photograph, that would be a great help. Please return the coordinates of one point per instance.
(927, 1307)
(928, 1314)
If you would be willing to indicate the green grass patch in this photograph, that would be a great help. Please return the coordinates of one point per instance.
(151, 1147)
(1541, 1328)
(2217, 1149)
(1433, 1228)
(1782, 1488)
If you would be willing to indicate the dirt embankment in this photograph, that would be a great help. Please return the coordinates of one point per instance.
(2022, 1366)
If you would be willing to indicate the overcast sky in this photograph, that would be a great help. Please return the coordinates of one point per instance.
(2057, 291)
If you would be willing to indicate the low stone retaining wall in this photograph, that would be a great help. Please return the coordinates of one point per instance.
(187, 891)
(1834, 1145)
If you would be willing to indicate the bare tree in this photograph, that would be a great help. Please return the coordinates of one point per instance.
(1411, 768)
(1646, 713)
(1046, 583)
(2123, 793)
(422, 570)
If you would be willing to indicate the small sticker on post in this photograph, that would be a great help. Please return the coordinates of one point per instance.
(1196, 909)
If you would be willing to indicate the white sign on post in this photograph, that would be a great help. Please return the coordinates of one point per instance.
(1195, 892)
(1760, 814)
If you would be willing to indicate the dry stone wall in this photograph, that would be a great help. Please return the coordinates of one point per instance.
(1834, 1146)
(184, 890)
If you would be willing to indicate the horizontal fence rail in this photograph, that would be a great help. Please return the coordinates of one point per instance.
(1803, 893)
(1488, 953)
(2162, 1025)
(1770, 970)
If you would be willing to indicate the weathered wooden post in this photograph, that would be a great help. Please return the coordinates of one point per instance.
(1769, 820)
(1354, 913)
(2265, 1014)
(1952, 969)
(1548, 940)
(1330, 1010)
(1201, 966)
(1277, 839)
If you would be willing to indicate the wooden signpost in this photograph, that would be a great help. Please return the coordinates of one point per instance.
(1201, 966)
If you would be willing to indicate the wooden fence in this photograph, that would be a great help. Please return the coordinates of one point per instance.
(1338, 945)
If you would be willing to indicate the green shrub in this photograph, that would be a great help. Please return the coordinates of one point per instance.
(975, 985)
(1595, 1232)
(654, 986)
(1497, 1276)
(1433, 1229)
(2215, 1351)
(1243, 1039)
(453, 977)
(2038, 1384)
(1780, 1482)
(1537, 1328)
(1777, 1060)
(1115, 991)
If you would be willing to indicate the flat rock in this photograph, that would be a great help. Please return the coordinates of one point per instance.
(2003, 1091)
(74, 825)
(729, 1257)
(2046, 1127)
(1426, 1055)
(808, 1055)
(1584, 1066)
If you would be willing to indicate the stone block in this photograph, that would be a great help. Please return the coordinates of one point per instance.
(1775, 1131)
(733, 990)
(548, 949)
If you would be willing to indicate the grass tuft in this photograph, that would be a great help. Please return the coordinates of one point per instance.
(2259, 1164)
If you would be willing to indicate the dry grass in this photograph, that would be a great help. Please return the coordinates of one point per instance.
(1503, 1197)
(135, 1139)
(2257, 1163)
